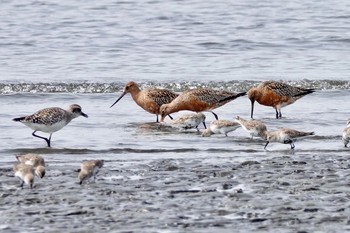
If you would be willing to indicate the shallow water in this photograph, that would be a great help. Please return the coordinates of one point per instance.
(159, 179)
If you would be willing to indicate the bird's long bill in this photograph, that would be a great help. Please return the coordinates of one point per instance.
(118, 99)
(252, 108)
(84, 115)
(267, 143)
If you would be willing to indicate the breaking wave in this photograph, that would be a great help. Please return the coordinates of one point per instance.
(90, 87)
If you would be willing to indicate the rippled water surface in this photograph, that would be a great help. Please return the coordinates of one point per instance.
(167, 40)
(160, 179)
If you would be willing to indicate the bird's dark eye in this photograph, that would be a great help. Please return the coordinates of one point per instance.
(77, 110)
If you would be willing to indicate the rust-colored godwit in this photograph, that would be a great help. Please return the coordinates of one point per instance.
(276, 94)
(89, 169)
(34, 160)
(254, 127)
(189, 121)
(286, 136)
(346, 134)
(149, 99)
(220, 127)
(199, 100)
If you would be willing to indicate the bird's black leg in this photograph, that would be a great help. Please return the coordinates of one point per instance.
(292, 146)
(216, 116)
(157, 119)
(49, 144)
(47, 140)
(22, 184)
(266, 144)
(277, 114)
(205, 126)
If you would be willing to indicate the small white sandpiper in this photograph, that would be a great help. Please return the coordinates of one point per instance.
(220, 127)
(346, 134)
(50, 120)
(89, 169)
(25, 173)
(286, 136)
(254, 127)
(189, 121)
(34, 160)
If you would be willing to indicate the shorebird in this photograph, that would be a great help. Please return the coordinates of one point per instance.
(346, 134)
(25, 173)
(254, 127)
(199, 100)
(149, 99)
(50, 120)
(286, 136)
(189, 121)
(276, 94)
(220, 127)
(34, 160)
(89, 169)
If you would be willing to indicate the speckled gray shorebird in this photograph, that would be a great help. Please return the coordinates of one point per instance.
(89, 169)
(25, 173)
(254, 127)
(220, 127)
(199, 100)
(346, 134)
(34, 160)
(50, 120)
(189, 121)
(285, 136)
(149, 99)
(276, 94)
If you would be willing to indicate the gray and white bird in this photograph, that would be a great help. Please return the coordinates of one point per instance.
(25, 173)
(189, 121)
(254, 127)
(50, 120)
(346, 134)
(285, 136)
(220, 127)
(34, 160)
(89, 169)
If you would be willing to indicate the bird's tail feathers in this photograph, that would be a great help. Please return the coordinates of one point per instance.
(232, 97)
(305, 92)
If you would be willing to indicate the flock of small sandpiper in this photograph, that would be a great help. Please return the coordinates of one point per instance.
(164, 102)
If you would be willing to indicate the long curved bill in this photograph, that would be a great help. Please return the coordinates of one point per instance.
(118, 99)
